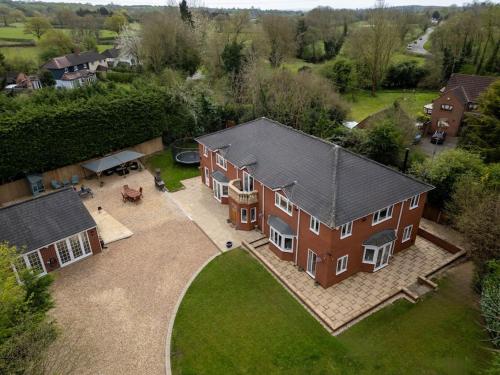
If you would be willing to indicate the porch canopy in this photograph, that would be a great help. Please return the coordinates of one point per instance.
(111, 161)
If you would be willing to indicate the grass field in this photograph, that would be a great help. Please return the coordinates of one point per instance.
(103, 47)
(364, 104)
(23, 52)
(15, 32)
(171, 172)
(237, 319)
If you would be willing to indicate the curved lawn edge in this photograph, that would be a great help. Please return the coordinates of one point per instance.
(168, 341)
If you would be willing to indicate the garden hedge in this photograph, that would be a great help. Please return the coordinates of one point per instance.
(38, 138)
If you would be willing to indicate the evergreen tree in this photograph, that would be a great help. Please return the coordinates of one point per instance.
(186, 15)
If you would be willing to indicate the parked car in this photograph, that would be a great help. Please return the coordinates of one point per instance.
(438, 137)
(417, 138)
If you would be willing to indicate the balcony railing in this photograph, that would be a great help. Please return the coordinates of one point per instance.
(242, 197)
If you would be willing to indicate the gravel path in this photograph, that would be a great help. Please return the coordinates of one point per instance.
(115, 306)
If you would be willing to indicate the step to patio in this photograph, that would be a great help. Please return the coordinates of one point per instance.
(259, 242)
(419, 289)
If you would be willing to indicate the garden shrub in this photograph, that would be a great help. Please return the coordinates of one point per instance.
(490, 300)
(120, 77)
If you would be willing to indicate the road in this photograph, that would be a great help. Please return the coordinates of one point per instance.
(418, 48)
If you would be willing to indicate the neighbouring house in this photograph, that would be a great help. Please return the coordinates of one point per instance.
(76, 69)
(330, 211)
(460, 95)
(50, 231)
(24, 82)
(114, 56)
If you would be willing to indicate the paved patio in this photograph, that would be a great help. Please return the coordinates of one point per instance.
(342, 302)
(197, 201)
(116, 306)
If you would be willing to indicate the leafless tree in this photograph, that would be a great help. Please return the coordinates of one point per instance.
(280, 33)
(129, 42)
(374, 45)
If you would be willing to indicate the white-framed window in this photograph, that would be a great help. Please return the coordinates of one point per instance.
(33, 261)
(253, 214)
(205, 150)
(247, 182)
(382, 215)
(341, 264)
(283, 203)
(414, 201)
(346, 230)
(407, 233)
(244, 215)
(73, 248)
(446, 107)
(220, 161)
(75, 68)
(220, 189)
(314, 225)
(369, 255)
(207, 176)
(283, 242)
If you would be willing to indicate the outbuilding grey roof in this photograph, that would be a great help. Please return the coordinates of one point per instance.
(327, 181)
(41, 221)
(381, 238)
(280, 225)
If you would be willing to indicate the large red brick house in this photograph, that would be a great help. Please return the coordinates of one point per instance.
(50, 231)
(460, 95)
(331, 212)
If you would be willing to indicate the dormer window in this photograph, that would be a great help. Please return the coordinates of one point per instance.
(446, 107)
(66, 70)
(75, 68)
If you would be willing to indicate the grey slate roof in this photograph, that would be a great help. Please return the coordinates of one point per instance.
(381, 238)
(220, 177)
(327, 181)
(468, 87)
(280, 225)
(44, 220)
(111, 52)
(73, 59)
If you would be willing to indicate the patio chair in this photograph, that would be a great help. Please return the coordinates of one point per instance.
(65, 182)
(124, 197)
(55, 184)
(85, 192)
(140, 190)
(75, 180)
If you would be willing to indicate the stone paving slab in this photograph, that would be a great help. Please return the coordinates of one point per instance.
(110, 229)
(342, 302)
(199, 204)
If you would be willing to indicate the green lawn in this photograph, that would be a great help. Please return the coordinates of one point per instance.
(439, 335)
(364, 104)
(237, 319)
(15, 32)
(103, 47)
(171, 172)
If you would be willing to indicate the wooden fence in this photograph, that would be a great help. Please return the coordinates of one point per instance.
(18, 189)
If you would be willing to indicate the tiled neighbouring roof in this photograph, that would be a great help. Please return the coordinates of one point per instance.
(73, 59)
(41, 221)
(468, 87)
(327, 181)
(111, 53)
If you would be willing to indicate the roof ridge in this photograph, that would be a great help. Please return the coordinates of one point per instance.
(333, 206)
(40, 197)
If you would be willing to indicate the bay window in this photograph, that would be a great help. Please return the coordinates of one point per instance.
(283, 242)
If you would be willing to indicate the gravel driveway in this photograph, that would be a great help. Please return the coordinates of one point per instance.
(116, 306)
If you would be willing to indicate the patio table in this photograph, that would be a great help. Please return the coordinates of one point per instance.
(132, 193)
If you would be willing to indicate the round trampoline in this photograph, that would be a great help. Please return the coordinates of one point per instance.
(185, 151)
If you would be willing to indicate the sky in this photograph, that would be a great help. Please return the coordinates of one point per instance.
(280, 4)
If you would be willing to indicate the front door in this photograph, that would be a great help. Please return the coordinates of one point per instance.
(217, 190)
(207, 176)
(382, 258)
(311, 263)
